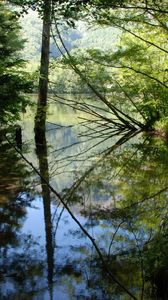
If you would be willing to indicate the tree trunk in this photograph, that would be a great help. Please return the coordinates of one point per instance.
(45, 51)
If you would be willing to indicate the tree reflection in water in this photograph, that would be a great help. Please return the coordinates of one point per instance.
(41, 151)
(120, 198)
(20, 263)
(137, 182)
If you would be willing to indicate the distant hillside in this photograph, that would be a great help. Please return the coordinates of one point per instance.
(31, 31)
(100, 38)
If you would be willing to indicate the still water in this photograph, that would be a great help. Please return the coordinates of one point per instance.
(94, 226)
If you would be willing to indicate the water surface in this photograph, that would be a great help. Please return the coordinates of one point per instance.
(114, 186)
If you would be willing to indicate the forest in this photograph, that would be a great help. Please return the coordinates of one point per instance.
(83, 149)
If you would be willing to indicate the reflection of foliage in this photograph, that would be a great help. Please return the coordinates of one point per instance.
(20, 263)
(20, 268)
(13, 174)
(136, 180)
(77, 197)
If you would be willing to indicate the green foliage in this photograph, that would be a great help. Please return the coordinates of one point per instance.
(64, 80)
(125, 54)
(13, 80)
(161, 127)
(134, 73)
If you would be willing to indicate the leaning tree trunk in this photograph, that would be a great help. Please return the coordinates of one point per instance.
(45, 51)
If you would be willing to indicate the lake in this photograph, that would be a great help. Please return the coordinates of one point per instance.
(94, 224)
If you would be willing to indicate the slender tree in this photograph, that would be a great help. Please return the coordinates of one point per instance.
(45, 51)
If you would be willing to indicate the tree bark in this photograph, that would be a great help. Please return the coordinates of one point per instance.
(45, 51)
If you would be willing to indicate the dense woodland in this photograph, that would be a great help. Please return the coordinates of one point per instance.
(114, 50)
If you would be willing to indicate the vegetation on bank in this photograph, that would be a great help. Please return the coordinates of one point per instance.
(14, 80)
(121, 58)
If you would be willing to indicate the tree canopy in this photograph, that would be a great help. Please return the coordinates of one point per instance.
(13, 80)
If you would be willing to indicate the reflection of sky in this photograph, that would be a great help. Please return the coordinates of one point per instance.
(34, 223)
(71, 246)
(68, 235)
